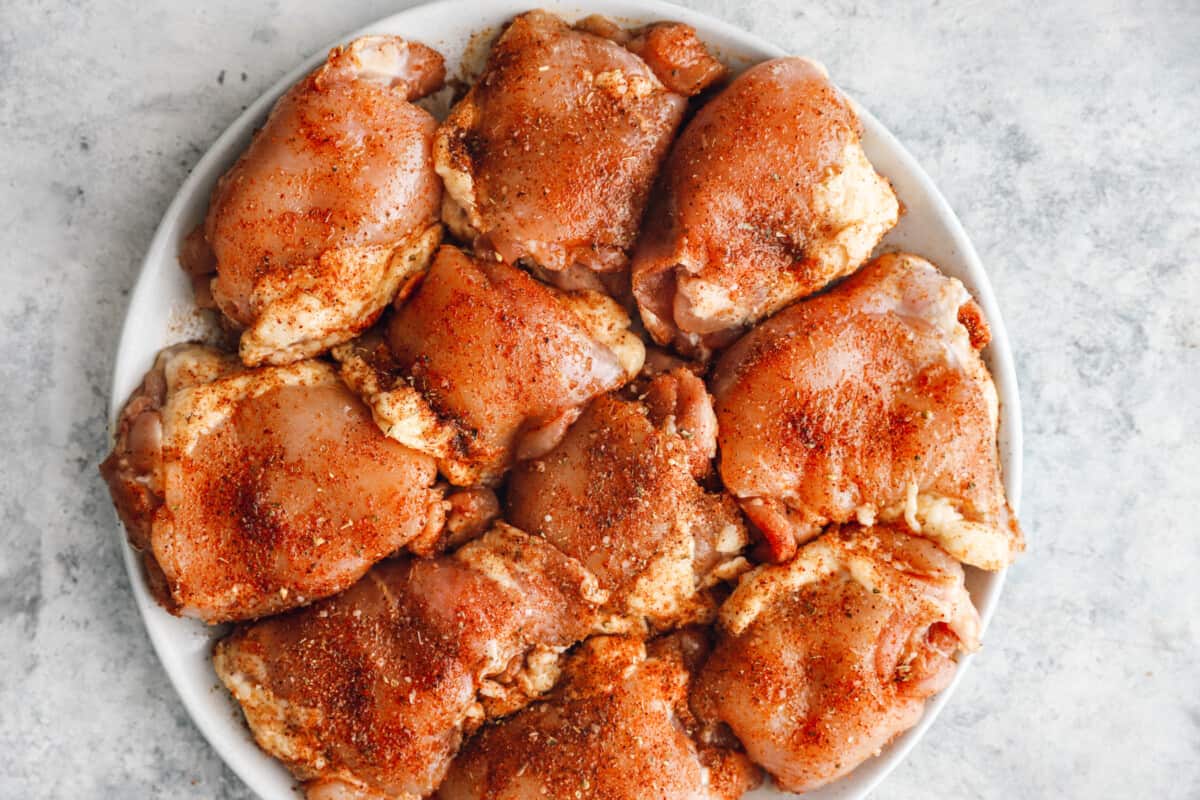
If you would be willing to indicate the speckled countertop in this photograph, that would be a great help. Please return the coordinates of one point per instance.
(1066, 138)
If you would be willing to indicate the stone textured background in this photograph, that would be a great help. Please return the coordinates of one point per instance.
(1067, 139)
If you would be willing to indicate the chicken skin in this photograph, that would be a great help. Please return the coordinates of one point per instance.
(767, 196)
(617, 728)
(550, 156)
(869, 402)
(822, 661)
(483, 365)
(331, 208)
(369, 694)
(620, 494)
(253, 491)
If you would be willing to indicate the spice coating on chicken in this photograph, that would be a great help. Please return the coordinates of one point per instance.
(621, 494)
(483, 365)
(869, 402)
(822, 661)
(617, 728)
(332, 207)
(370, 693)
(641, 393)
(251, 492)
(551, 154)
(766, 196)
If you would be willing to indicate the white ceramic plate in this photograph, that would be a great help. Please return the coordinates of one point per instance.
(161, 313)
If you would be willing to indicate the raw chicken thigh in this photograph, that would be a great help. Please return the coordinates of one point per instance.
(620, 493)
(551, 154)
(617, 728)
(869, 402)
(653, 348)
(332, 208)
(483, 365)
(253, 491)
(369, 694)
(767, 196)
(822, 661)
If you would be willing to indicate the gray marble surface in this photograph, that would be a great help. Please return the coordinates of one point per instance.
(1067, 139)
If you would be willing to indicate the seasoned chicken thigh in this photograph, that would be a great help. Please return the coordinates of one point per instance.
(332, 207)
(822, 661)
(254, 491)
(369, 694)
(483, 365)
(551, 154)
(617, 728)
(767, 196)
(620, 494)
(869, 402)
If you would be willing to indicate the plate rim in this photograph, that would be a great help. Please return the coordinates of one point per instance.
(243, 756)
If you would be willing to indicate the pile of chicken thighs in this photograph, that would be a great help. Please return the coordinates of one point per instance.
(556, 458)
